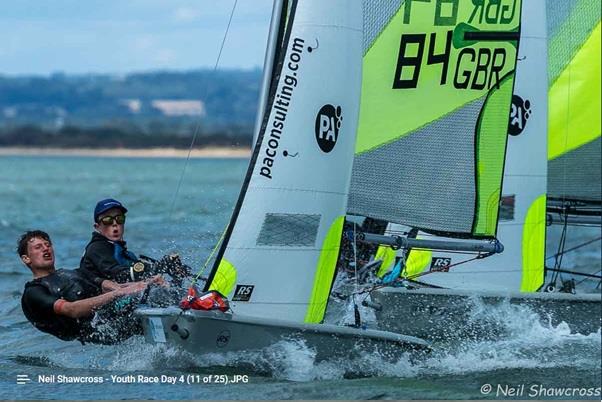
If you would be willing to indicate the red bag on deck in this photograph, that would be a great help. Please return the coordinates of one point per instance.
(198, 300)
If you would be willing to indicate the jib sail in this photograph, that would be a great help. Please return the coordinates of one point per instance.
(279, 252)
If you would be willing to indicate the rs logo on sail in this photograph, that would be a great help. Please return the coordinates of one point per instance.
(328, 124)
(440, 264)
(243, 292)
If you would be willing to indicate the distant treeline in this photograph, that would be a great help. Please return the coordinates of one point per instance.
(227, 97)
(114, 137)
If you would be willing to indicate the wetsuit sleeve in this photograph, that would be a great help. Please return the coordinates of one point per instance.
(99, 260)
(39, 301)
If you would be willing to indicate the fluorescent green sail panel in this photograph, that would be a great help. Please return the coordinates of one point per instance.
(224, 278)
(575, 100)
(325, 272)
(413, 74)
(574, 127)
(387, 255)
(417, 262)
(421, 159)
(490, 161)
(534, 240)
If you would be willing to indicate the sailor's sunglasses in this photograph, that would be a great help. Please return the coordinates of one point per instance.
(108, 220)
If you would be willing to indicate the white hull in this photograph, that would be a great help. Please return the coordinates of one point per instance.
(446, 314)
(202, 332)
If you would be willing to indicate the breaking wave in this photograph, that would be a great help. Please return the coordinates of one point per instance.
(527, 343)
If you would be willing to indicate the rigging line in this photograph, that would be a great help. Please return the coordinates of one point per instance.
(576, 273)
(215, 248)
(355, 256)
(568, 107)
(591, 277)
(357, 317)
(198, 125)
(412, 277)
(448, 267)
(576, 247)
(560, 251)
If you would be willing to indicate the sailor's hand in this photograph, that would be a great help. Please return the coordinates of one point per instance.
(157, 279)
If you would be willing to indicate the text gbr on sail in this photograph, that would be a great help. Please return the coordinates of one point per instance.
(475, 68)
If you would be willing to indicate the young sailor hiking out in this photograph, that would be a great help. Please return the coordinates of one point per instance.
(64, 303)
(107, 257)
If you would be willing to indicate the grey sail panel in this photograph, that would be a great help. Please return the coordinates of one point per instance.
(434, 188)
(576, 174)
(377, 14)
(570, 22)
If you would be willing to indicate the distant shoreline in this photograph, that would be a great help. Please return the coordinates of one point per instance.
(209, 152)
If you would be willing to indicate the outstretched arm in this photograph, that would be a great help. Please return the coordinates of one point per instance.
(108, 286)
(85, 307)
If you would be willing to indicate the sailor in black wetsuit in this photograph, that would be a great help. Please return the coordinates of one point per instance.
(107, 256)
(63, 302)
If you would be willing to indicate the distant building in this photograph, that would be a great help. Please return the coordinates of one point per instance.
(180, 107)
(133, 105)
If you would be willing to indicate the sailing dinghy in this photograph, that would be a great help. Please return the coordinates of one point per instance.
(447, 288)
(277, 260)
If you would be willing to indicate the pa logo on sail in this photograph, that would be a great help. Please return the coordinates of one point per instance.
(328, 124)
(519, 114)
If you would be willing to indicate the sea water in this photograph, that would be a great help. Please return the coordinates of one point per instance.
(57, 194)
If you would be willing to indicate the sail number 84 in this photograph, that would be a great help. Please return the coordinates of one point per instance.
(476, 69)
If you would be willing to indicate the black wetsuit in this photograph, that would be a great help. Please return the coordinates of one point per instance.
(113, 322)
(106, 259)
(111, 260)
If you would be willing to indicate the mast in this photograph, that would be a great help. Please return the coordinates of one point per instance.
(268, 63)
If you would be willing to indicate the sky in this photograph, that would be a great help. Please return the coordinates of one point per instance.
(43, 37)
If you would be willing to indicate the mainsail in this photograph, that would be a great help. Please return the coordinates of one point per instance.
(522, 223)
(279, 252)
(574, 100)
(437, 84)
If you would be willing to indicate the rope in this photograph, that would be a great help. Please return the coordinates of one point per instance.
(576, 247)
(412, 277)
(448, 267)
(356, 312)
(215, 248)
(560, 252)
(587, 278)
(198, 125)
(355, 256)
